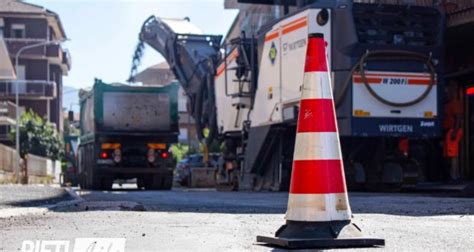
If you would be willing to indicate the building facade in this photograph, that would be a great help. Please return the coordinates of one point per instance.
(40, 69)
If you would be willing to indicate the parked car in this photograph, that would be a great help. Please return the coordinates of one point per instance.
(183, 168)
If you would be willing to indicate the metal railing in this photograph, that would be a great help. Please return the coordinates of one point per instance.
(50, 51)
(31, 89)
(7, 119)
(7, 109)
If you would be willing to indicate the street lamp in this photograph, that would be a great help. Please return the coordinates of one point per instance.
(17, 110)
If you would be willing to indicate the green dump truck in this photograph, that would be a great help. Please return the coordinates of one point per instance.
(126, 132)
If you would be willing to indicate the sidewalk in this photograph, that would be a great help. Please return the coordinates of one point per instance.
(13, 196)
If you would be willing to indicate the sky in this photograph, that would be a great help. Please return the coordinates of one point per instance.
(103, 33)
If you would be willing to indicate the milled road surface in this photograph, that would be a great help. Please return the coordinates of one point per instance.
(205, 220)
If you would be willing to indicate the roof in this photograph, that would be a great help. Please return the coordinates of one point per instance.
(162, 65)
(21, 7)
(154, 75)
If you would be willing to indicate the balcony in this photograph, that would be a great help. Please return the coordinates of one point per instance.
(59, 56)
(28, 89)
(53, 52)
(15, 44)
(7, 112)
(67, 61)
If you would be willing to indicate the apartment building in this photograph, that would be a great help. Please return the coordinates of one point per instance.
(40, 69)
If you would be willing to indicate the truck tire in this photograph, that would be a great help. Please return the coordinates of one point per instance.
(82, 181)
(93, 181)
(140, 183)
(167, 182)
(107, 183)
(153, 182)
(159, 182)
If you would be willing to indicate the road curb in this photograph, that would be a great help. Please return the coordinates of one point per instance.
(20, 211)
(73, 193)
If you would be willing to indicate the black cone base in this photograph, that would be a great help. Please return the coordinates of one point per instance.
(334, 234)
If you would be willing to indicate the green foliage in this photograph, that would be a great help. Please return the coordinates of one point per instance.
(38, 137)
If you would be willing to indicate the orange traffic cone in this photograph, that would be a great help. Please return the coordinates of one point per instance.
(318, 215)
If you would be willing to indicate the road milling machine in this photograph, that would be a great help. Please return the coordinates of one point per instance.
(386, 65)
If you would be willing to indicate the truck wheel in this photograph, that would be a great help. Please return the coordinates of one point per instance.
(107, 183)
(167, 182)
(152, 183)
(93, 182)
(82, 181)
(159, 182)
(140, 183)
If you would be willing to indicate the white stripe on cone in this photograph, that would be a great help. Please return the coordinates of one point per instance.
(321, 90)
(318, 207)
(317, 146)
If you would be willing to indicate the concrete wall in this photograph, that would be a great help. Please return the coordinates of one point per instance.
(7, 158)
(39, 168)
(43, 167)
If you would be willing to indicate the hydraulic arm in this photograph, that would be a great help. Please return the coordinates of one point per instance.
(191, 57)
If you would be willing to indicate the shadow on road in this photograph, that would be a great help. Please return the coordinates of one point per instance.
(48, 201)
(31, 196)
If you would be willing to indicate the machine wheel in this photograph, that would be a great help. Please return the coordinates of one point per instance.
(355, 176)
(229, 183)
(234, 179)
(392, 176)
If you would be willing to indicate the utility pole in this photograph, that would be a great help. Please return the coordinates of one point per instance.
(17, 100)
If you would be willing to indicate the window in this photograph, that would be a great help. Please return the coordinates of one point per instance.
(21, 75)
(2, 25)
(18, 31)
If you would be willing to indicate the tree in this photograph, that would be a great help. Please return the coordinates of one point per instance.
(39, 137)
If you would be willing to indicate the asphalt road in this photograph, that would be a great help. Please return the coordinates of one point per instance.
(205, 220)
